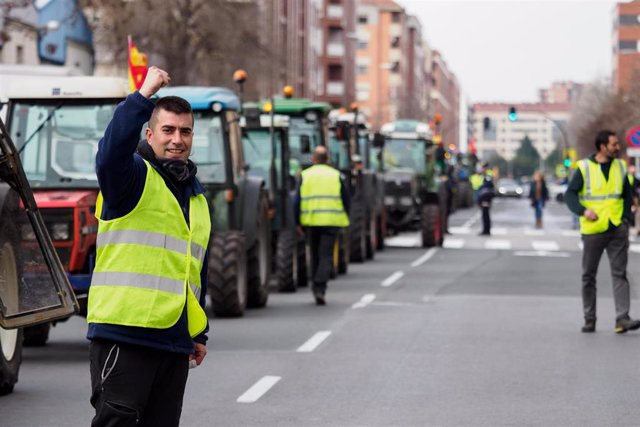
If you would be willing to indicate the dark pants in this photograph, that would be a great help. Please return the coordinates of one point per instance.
(616, 243)
(136, 386)
(321, 241)
(486, 218)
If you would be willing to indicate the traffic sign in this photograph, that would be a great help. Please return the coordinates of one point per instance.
(633, 137)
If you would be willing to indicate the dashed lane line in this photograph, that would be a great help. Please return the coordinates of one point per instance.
(393, 278)
(545, 245)
(313, 342)
(364, 301)
(451, 243)
(424, 258)
(497, 244)
(259, 389)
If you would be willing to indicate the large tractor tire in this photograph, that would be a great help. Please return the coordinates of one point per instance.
(36, 336)
(286, 260)
(431, 226)
(357, 233)
(259, 260)
(10, 339)
(372, 235)
(228, 274)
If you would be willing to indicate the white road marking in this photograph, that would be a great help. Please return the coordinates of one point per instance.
(364, 301)
(460, 230)
(393, 278)
(581, 245)
(533, 232)
(313, 342)
(545, 245)
(471, 220)
(410, 241)
(552, 254)
(259, 389)
(634, 248)
(497, 244)
(424, 258)
(571, 233)
(450, 243)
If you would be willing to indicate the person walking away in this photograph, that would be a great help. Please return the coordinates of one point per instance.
(600, 194)
(147, 323)
(539, 195)
(486, 193)
(322, 207)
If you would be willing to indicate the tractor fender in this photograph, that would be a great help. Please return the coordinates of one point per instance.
(8, 197)
(253, 189)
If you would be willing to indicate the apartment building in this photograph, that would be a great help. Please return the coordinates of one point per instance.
(626, 44)
(445, 99)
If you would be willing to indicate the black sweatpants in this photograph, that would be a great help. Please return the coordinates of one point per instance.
(321, 241)
(136, 386)
(485, 207)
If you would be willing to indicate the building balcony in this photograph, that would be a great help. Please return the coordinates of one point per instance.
(335, 49)
(335, 11)
(335, 88)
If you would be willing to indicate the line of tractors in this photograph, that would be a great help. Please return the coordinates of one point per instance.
(249, 156)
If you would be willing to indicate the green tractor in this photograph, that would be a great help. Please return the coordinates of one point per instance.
(265, 137)
(240, 244)
(350, 151)
(414, 194)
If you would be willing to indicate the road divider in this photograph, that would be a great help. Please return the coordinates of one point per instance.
(314, 342)
(364, 301)
(392, 279)
(424, 258)
(259, 389)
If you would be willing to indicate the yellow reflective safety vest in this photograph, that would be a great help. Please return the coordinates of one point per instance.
(602, 196)
(148, 262)
(320, 199)
(476, 181)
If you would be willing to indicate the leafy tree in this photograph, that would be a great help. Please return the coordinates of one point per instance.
(500, 162)
(527, 159)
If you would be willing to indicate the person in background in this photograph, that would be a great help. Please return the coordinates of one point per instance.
(321, 207)
(600, 194)
(486, 193)
(539, 195)
(635, 188)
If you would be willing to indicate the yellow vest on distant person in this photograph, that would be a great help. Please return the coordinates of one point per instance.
(148, 262)
(321, 201)
(476, 181)
(603, 196)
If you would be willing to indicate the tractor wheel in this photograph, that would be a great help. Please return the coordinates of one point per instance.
(287, 260)
(227, 274)
(36, 336)
(10, 339)
(343, 251)
(259, 261)
(430, 224)
(357, 234)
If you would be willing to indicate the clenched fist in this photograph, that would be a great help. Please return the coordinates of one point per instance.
(156, 79)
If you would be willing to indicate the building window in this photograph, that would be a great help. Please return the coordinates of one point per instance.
(395, 41)
(627, 46)
(362, 70)
(395, 67)
(362, 44)
(362, 19)
(362, 95)
(630, 20)
(395, 17)
(19, 54)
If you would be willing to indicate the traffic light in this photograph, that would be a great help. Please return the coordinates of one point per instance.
(513, 114)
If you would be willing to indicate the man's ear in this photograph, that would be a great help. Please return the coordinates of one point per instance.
(148, 132)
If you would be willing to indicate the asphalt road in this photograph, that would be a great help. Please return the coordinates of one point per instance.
(482, 332)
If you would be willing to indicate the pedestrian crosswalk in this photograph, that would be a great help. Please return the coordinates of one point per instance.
(523, 239)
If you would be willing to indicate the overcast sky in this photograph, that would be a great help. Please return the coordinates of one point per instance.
(506, 50)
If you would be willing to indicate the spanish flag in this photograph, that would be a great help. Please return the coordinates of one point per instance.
(137, 67)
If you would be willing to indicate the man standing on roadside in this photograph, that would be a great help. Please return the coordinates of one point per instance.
(146, 316)
(600, 194)
(322, 208)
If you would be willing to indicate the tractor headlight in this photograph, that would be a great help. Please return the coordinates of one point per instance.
(27, 233)
(406, 201)
(60, 231)
(389, 200)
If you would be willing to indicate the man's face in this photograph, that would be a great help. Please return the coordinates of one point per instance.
(171, 136)
(612, 148)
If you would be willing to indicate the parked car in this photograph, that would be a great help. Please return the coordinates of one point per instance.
(508, 187)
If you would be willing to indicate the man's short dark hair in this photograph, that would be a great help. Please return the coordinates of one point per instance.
(603, 138)
(172, 104)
